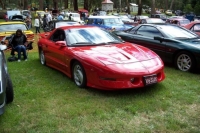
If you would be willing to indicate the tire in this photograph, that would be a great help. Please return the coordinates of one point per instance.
(79, 75)
(42, 58)
(184, 61)
(9, 90)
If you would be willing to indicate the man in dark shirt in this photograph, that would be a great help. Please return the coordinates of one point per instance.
(19, 42)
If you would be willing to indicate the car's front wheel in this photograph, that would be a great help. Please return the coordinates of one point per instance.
(79, 75)
(9, 90)
(42, 58)
(184, 61)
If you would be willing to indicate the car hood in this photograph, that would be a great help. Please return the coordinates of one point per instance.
(117, 53)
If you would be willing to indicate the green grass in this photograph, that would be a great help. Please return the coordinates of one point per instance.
(47, 101)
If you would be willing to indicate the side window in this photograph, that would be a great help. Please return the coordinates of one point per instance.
(99, 21)
(58, 35)
(196, 27)
(90, 21)
(148, 31)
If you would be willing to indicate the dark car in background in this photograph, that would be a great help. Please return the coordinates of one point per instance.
(6, 87)
(174, 44)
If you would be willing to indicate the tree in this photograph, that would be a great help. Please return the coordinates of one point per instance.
(66, 4)
(41, 4)
(172, 2)
(75, 5)
(55, 4)
(2, 4)
(140, 7)
(153, 7)
(86, 4)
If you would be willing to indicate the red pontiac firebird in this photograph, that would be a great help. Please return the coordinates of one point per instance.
(99, 59)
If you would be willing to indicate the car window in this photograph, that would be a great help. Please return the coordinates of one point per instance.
(59, 35)
(12, 27)
(90, 36)
(196, 27)
(148, 31)
(90, 21)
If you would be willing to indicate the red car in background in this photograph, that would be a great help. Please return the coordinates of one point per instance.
(194, 26)
(179, 21)
(99, 59)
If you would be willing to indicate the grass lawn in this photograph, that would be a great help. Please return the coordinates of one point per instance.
(47, 101)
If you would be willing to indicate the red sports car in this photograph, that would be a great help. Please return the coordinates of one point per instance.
(99, 59)
(194, 26)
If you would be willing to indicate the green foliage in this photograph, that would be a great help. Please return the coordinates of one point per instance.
(188, 8)
(197, 8)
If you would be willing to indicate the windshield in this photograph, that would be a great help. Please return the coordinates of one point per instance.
(61, 24)
(90, 36)
(184, 22)
(143, 17)
(12, 27)
(124, 17)
(76, 15)
(155, 21)
(176, 32)
(113, 21)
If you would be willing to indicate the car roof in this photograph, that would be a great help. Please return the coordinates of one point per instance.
(13, 22)
(103, 17)
(63, 21)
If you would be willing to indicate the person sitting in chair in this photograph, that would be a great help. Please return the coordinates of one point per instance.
(19, 42)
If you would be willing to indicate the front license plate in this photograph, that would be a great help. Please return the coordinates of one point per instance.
(152, 79)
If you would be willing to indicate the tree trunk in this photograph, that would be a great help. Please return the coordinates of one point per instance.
(86, 4)
(153, 7)
(41, 4)
(2, 4)
(140, 7)
(66, 4)
(128, 6)
(55, 4)
(166, 4)
(172, 2)
(75, 5)
(25, 7)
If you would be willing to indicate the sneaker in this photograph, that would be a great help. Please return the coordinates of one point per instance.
(26, 60)
(18, 60)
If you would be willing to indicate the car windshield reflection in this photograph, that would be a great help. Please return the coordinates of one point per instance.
(113, 21)
(90, 36)
(177, 32)
(12, 27)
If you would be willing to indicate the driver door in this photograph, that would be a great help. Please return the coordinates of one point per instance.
(55, 52)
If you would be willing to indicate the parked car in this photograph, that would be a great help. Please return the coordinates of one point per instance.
(179, 13)
(161, 16)
(168, 12)
(127, 20)
(39, 13)
(99, 59)
(8, 28)
(108, 22)
(174, 44)
(75, 17)
(151, 21)
(57, 24)
(194, 26)
(179, 21)
(6, 89)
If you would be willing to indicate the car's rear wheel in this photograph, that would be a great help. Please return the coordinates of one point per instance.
(9, 90)
(42, 58)
(79, 75)
(184, 61)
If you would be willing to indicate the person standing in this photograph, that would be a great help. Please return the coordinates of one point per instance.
(45, 22)
(49, 18)
(37, 25)
(28, 22)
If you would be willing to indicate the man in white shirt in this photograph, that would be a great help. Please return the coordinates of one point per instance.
(49, 17)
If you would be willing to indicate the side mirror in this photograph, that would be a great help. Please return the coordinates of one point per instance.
(158, 38)
(61, 43)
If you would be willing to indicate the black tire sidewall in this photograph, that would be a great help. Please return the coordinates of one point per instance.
(9, 90)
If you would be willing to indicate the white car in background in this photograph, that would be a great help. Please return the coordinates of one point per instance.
(75, 17)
